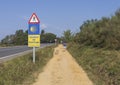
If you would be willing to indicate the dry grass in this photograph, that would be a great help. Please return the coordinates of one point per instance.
(22, 71)
(102, 66)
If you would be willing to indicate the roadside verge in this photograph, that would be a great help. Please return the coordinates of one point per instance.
(18, 70)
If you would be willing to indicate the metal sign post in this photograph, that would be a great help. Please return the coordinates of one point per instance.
(33, 54)
(34, 33)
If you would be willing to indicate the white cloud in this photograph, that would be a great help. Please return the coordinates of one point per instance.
(43, 26)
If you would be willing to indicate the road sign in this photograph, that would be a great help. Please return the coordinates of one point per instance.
(34, 33)
(34, 29)
(33, 40)
(34, 19)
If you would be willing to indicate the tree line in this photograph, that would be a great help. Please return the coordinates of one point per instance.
(21, 38)
(103, 33)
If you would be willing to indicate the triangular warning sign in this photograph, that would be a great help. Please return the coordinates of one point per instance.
(34, 19)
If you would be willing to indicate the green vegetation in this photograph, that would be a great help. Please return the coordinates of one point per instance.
(97, 49)
(47, 37)
(67, 36)
(102, 66)
(18, 70)
(21, 38)
(104, 33)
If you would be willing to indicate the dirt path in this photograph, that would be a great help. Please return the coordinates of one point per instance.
(62, 70)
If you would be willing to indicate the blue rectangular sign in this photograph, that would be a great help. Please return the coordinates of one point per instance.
(34, 29)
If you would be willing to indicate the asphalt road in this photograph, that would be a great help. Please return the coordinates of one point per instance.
(7, 51)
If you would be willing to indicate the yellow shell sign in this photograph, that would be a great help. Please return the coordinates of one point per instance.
(33, 40)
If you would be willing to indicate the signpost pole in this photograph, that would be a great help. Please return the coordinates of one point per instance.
(33, 54)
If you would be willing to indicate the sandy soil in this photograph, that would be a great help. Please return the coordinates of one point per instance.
(62, 69)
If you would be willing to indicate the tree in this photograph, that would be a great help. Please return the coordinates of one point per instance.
(42, 32)
(42, 36)
(67, 36)
(19, 38)
(5, 40)
(103, 33)
(49, 37)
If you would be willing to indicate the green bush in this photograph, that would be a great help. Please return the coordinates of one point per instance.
(103, 33)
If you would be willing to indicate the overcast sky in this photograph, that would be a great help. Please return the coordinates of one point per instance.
(55, 16)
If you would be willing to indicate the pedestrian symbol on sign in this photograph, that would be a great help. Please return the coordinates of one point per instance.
(34, 19)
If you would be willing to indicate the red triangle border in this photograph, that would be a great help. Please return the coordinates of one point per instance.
(34, 22)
